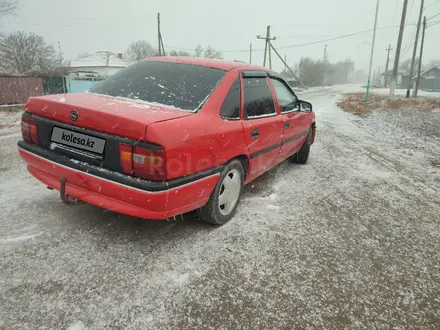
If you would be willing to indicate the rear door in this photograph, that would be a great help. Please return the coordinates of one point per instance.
(293, 119)
(262, 124)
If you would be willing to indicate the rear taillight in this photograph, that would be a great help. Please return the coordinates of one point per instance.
(143, 162)
(126, 156)
(29, 130)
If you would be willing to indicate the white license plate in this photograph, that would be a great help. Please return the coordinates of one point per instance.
(78, 140)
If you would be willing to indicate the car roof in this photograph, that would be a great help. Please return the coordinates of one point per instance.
(208, 62)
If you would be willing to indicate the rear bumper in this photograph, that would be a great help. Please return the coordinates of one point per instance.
(118, 192)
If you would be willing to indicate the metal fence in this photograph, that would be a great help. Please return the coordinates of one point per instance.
(16, 90)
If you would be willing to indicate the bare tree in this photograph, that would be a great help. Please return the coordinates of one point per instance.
(8, 7)
(311, 71)
(179, 53)
(139, 50)
(405, 66)
(198, 51)
(22, 52)
(432, 64)
(212, 53)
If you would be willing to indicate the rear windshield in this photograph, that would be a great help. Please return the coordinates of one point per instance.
(183, 86)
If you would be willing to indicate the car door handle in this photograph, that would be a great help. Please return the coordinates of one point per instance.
(286, 124)
(255, 133)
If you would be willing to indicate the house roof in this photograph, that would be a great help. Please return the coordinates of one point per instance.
(390, 73)
(99, 59)
(427, 71)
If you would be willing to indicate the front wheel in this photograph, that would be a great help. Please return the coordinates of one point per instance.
(224, 199)
(302, 155)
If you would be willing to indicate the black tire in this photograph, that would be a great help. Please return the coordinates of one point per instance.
(211, 213)
(302, 155)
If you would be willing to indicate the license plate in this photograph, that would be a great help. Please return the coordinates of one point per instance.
(78, 140)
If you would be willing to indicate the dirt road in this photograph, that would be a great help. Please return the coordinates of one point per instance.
(350, 240)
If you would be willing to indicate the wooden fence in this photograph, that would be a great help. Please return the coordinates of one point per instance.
(16, 90)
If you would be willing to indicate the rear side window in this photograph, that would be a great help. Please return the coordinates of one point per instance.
(231, 105)
(183, 86)
(258, 100)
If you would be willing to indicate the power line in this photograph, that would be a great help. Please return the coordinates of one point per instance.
(85, 25)
(340, 37)
(410, 43)
(297, 45)
(434, 23)
(91, 18)
(435, 15)
(432, 4)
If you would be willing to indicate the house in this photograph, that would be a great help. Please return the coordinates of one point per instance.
(429, 79)
(86, 72)
(292, 82)
(402, 79)
(102, 64)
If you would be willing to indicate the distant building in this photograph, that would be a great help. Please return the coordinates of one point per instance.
(86, 72)
(292, 82)
(99, 64)
(429, 79)
(402, 79)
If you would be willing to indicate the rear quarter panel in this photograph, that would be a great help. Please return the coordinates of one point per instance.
(203, 140)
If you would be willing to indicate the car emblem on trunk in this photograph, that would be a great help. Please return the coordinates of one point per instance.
(73, 115)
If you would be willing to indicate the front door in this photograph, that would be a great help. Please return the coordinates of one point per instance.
(293, 119)
(262, 124)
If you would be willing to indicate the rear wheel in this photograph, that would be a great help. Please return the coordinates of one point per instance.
(302, 155)
(226, 195)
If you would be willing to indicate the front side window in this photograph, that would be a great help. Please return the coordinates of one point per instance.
(183, 86)
(231, 105)
(258, 100)
(287, 100)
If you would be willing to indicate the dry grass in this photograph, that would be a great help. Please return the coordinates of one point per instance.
(355, 103)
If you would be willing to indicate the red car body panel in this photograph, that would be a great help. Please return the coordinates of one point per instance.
(101, 113)
(121, 198)
(196, 145)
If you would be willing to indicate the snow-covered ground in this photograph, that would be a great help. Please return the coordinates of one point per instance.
(402, 92)
(10, 119)
(350, 240)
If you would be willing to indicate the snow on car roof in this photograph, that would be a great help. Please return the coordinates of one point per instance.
(208, 62)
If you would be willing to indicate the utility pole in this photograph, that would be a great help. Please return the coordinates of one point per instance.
(398, 48)
(416, 90)
(372, 52)
(386, 66)
(378, 76)
(61, 66)
(250, 53)
(270, 53)
(414, 50)
(291, 71)
(158, 34)
(267, 46)
(324, 64)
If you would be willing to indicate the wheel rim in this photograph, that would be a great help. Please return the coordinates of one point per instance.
(309, 138)
(229, 192)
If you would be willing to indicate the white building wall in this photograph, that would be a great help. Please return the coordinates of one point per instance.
(102, 71)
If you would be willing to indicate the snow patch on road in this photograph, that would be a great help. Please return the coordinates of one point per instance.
(19, 238)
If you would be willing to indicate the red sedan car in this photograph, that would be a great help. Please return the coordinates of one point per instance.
(166, 136)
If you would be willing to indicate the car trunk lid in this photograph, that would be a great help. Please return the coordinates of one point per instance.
(121, 117)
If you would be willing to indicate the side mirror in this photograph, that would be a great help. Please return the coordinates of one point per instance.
(305, 106)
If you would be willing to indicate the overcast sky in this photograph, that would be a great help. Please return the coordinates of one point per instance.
(230, 26)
